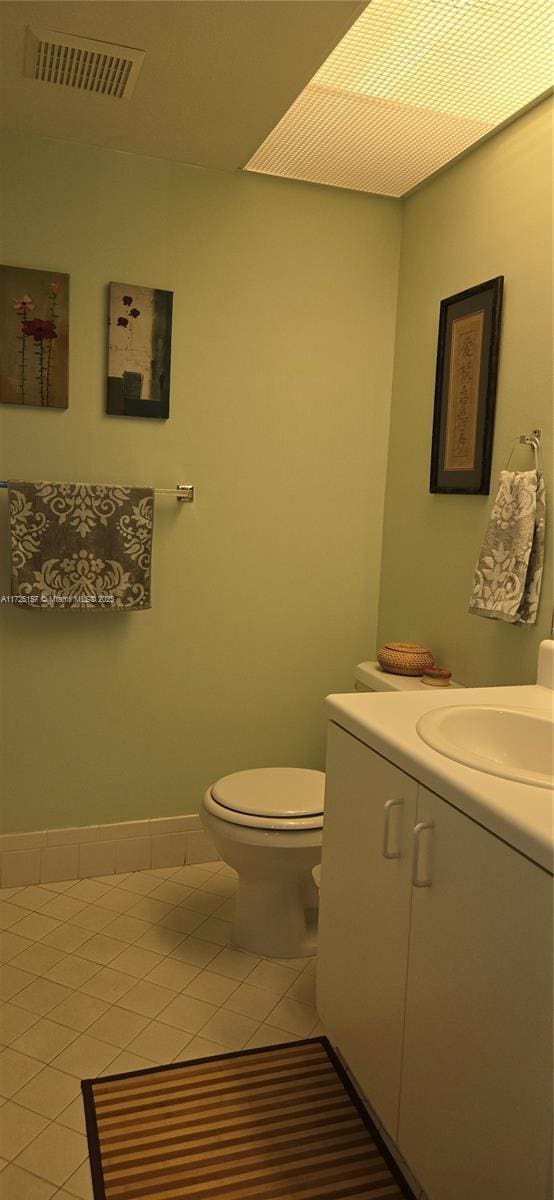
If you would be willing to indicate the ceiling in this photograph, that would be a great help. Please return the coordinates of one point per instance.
(217, 78)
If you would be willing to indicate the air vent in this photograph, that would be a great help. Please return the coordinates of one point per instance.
(81, 64)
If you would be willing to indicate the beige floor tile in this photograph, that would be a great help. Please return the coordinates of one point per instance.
(191, 876)
(195, 951)
(80, 1184)
(159, 1042)
(267, 1035)
(160, 941)
(117, 901)
(38, 958)
(126, 1061)
(127, 928)
(9, 915)
(93, 918)
(85, 1058)
(293, 964)
(303, 989)
(67, 937)
(136, 962)
(187, 1013)
(211, 987)
(112, 881)
(88, 890)
(42, 995)
(200, 1047)
(13, 981)
(34, 926)
(74, 1115)
(16, 1069)
(55, 1154)
(273, 976)
(100, 949)
(202, 902)
(6, 893)
(71, 971)
(13, 1022)
(237, 964)
(214, 930)
(78, 1011)
(251, 1001)
(33, 898)
(108, 984)
(17, 1184)
(59, 885)
(146, 998)
(118, 1026)
(18, 1127)
(11, 945)
(182, 919)
(140, 883)
(311, 966)
(50, 1092)
(173, 974)
(299, 1018)
(172, 893)
(220, 885)
(229, 871)
(150, 910)
(229, 1028)
(63, 908)
(225, 911)
(44, 1040)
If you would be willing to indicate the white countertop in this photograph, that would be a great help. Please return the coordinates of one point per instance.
(519, 813)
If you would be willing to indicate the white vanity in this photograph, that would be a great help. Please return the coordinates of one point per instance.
(435, 959)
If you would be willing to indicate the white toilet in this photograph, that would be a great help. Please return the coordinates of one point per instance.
(268, 825)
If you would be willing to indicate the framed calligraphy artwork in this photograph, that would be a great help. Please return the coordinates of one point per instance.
(465, 389)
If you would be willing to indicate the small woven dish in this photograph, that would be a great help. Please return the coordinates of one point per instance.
(405, 658)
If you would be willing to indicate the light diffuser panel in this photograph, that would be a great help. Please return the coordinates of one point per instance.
(412, 85)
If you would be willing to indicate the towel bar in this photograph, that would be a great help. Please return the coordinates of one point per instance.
(183, 492)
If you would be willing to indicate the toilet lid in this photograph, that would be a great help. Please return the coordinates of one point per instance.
(282, 792)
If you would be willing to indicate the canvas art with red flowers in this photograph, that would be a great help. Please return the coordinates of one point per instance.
(34, 337)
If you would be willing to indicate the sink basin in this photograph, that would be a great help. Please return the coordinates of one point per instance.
(515, 743)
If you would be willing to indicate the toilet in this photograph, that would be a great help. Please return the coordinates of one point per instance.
(267, 823)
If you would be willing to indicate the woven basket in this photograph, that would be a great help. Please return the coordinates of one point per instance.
(405, 658)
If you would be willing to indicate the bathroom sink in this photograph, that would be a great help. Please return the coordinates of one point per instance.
(515, 743)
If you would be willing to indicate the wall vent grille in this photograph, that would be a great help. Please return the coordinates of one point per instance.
(81, 64)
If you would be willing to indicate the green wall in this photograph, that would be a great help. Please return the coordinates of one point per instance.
(265, 589)
(490, 214)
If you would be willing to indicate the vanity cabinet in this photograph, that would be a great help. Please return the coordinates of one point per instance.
(434, 979)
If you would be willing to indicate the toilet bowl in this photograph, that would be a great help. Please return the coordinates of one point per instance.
(268, 825)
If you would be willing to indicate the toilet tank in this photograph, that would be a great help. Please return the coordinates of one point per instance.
(368, 677)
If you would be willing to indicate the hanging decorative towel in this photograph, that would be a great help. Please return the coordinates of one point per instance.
(81, 545)
(508, 574)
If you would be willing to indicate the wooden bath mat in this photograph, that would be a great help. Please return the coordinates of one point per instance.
(275, 1123)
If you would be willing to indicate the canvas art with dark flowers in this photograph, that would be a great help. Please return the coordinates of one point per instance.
(34, 337)
(139, 351)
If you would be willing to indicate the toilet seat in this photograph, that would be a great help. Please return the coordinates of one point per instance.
(287, 798)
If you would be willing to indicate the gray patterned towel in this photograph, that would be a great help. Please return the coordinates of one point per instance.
(508, 575)
(80, 545)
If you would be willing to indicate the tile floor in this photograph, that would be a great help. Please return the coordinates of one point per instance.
(114, 974)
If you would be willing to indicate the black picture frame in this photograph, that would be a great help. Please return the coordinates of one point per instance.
(465, 389)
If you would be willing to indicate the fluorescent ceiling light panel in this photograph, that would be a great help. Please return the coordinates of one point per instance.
(412, 85)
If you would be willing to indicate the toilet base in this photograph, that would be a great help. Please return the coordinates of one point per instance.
(271, 920)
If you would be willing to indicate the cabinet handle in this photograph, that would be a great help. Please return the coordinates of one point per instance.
(390, 804)
(416, 881)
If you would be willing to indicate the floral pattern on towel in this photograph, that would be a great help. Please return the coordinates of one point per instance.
(508, 574)
(49, 522)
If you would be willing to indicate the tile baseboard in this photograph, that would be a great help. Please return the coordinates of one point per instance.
(52, 855)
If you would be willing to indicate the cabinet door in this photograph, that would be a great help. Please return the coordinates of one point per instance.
(477, 1072)
(364, 915)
